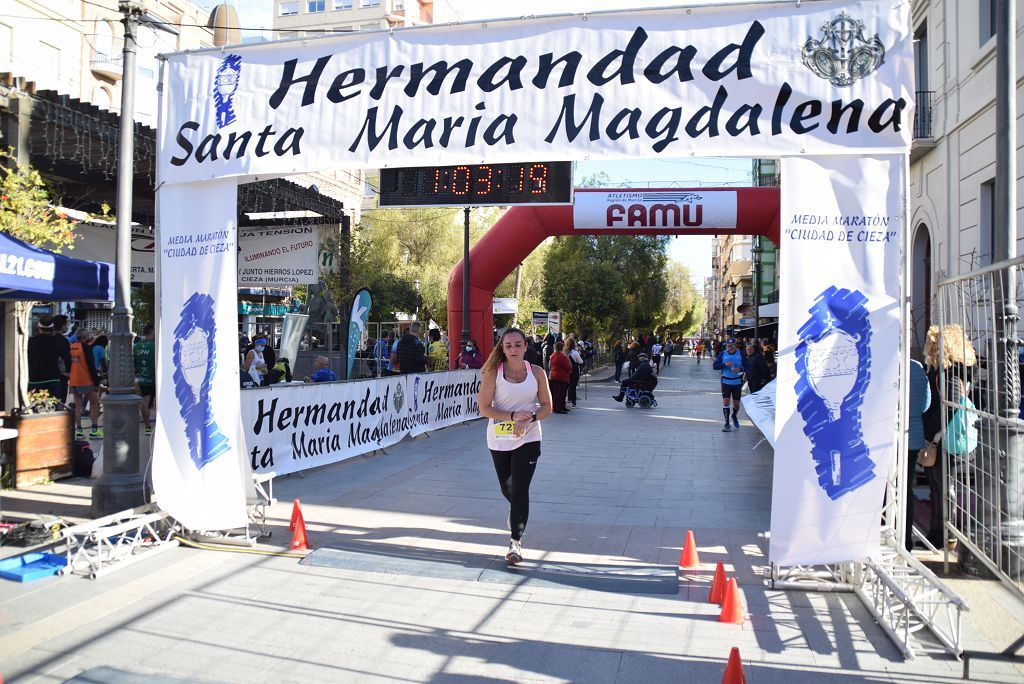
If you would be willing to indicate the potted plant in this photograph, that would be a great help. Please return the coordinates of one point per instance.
(42, 451)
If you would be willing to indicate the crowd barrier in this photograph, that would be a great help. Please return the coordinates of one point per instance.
(296, 426)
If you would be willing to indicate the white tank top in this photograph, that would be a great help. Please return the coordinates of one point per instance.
(509, 397)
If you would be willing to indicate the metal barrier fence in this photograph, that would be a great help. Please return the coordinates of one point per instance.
(984, 481)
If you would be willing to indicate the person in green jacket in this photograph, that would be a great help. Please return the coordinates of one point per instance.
(145, 373)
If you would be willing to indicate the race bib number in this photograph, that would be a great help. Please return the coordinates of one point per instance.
(504, 431)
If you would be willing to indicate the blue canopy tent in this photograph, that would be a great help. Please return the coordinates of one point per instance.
(32, 273)
(28, 274)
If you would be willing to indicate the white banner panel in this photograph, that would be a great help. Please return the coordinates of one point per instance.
(760, 408)
(838, 363)
(654, 209)
(284, 255)
(97, 242)
(739, 80)
(444, 399)
(197, 474)
(299, 426)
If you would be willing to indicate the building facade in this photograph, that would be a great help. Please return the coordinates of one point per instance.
(306, 18)
(74, 48)
(953, 158)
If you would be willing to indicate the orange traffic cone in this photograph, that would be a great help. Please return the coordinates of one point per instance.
(717, 593)
(732, 605)
(734, 669)
(688, 558)
(299, 540)
(296, 514)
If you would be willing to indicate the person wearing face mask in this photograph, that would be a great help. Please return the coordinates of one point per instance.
(256, 360)
(470, 356)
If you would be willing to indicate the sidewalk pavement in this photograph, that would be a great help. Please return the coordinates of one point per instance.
(614, 487)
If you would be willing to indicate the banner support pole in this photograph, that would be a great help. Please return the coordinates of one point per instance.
(465, 279)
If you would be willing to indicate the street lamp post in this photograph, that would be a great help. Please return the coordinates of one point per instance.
(416, 283)
(121, 485)
(732, 306)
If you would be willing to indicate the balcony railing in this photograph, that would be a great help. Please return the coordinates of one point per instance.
(923, 114)
(106, 59)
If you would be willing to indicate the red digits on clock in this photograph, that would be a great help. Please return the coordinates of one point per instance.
(483, 180)
(437, 180)
(464, 180)
(538, 179)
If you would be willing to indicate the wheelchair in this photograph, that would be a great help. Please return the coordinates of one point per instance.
(642, 397)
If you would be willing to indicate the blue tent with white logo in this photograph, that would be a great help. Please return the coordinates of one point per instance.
(32, 273)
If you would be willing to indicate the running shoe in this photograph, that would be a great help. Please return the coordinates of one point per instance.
(515, 553)
(149, 431)
(736, 422)
(727, 427)
(79, 434)
(96, 434)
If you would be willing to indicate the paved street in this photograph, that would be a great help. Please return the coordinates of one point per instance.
(614, 487)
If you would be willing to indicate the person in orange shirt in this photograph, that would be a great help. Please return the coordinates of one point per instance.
(83, 382)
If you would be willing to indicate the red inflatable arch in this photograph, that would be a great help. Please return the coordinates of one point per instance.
(518, 232)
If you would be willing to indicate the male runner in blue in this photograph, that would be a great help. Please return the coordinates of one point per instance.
(730, 362)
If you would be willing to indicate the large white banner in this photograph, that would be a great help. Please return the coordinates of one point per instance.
(198, 474)
(443, 399)
(295, 427)
(838, 364)
(712, 209)
(760, 408)
(741, 80)
(283, 255)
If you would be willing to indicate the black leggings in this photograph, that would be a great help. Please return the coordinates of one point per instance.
(515, 471)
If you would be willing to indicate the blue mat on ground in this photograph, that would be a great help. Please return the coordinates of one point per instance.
(618, 579)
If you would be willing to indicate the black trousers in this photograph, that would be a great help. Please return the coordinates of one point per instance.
(573, 382)
(558, 390)
(515, 472)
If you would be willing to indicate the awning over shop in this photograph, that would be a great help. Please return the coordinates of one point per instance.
(28, 272)
(765, 331)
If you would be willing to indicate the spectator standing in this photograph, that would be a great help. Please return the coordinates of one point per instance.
(256, 362)
(670, 348)
(470, 356)
(83, 382)
(410, 356)
(144, 353)
(656, 357)
(920, 401)
(577, 370)
(437, 352)
(757, 371)
(560, 374)
(46, 352)
(380, 364)
(631, 357)
(619, 357)
(99, 356)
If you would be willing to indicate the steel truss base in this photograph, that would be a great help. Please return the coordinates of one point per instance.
(902, 595)
(259, 499)
(115, 541)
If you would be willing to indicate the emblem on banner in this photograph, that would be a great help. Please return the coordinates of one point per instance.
(225, 83)
(843, 55)
(399, 397)
(194, 364)
(832, 363)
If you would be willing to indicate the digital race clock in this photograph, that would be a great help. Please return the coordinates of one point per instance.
(477, 185)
